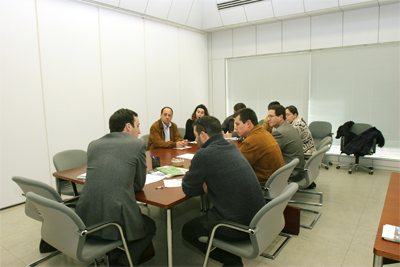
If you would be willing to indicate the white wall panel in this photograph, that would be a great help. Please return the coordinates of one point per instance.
(326, 31)
(162, 69)
(234, 15)
(389, 23)
(219, 96)
(179, 11)
(123, 65)
(222, 44)
(296, 35)
(193, 72)
(69, 45)
(23, 132)
(158, 9)
(269, 38)
(210, 15)
(195, 15)
(313, 5)
(287, 7)
(109, 2)
(259, 11)
(137, 5)
(244, 41)
(361, 26)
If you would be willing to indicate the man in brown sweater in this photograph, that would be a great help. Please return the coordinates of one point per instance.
(164, 133)
(259, 147)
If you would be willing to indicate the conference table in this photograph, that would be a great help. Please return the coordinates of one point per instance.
(165, 198)
(390, 215)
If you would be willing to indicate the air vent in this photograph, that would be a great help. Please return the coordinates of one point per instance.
(234, 3)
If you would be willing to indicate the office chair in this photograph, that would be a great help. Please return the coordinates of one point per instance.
(263, 229)
(65, 160)
(320, 130)
(309, 173)
(357, 129)
(63, 229)
(261, 122)
(277, 182)
(44, 190)
(182, 131)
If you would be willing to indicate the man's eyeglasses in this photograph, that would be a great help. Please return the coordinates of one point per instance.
(199, 122)
(271, 116)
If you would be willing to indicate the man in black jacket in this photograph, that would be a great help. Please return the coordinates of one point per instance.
(220, 169)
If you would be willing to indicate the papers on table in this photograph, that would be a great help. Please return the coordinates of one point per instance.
(173, 183)
(181, 148)
(186, 156)
(231, 138)
(391, 233)
(82, 176)
(154, 177)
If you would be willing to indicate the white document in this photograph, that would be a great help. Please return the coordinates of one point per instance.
(173, 183)
(231, 138)
(82, 176)
(152, 178)
(186, 156)
(181, 148)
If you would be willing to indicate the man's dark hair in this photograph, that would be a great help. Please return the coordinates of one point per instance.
(247, 114)
(279, 110)
(120, 118)
(273, 103)
(239, 106)
(162, 110)
(208, 124)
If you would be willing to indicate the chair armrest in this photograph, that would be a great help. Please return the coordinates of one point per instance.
(70, 199)
(235, 226)
(70, 205)
(97, 227)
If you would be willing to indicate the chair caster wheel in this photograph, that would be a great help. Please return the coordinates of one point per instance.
(371, 172)
(326, 167)
(338, 167)
(330, 163)
(349, 172)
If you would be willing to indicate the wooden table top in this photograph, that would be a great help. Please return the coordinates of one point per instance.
(163, 198)
(390, 215)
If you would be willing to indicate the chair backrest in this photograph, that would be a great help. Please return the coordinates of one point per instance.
(269, 220)
(145, 138)
(313, 165)
(327, 141)
(69, 159)
(320, 130)
(182, 131)
(359, 128)
(42, 189)
(261, 122)
(277, 182)
(60, 226)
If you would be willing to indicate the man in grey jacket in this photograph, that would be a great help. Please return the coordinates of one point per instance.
(116, 170)
(220, 169)
(286, 135)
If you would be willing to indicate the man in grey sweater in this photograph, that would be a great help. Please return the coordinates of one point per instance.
(220, 170)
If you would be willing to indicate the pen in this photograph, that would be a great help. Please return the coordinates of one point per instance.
(151, 155)
(160, 187)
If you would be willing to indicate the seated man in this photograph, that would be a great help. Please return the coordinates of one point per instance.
(232, 186)
(286, 135)
(259, 147)
(116, 169)
(228, 126)
(164, 133)
(266, 125)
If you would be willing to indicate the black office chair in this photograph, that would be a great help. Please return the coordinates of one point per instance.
(358, 146)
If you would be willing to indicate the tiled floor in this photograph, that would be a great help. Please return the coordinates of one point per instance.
(344, 235)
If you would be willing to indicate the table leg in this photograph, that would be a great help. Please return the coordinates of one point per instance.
(169, 237)
(378, 261)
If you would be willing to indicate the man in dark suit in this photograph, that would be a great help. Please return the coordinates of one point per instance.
(116, 170)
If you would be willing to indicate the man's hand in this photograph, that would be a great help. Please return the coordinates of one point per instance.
(205, 187)
(181, 143)
(228, 135)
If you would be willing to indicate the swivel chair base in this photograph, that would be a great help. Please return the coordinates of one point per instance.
(355, 166)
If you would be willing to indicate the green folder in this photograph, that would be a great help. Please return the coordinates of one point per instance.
(170, 170)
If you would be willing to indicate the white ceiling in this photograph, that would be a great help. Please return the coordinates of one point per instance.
(203, 15)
